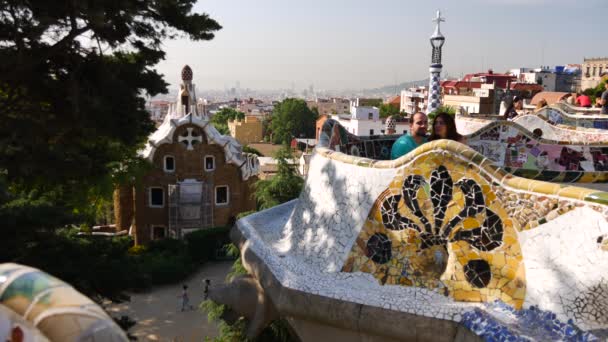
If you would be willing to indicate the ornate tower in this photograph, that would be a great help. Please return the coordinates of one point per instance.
(437, 40)
(186, 99)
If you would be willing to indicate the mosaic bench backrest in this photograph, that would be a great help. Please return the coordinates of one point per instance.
(446, 218)
(558, 114)
(508, 144)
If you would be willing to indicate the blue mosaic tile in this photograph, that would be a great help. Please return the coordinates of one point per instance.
(500, 322)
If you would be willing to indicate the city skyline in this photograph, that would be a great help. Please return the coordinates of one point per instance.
(357, 45)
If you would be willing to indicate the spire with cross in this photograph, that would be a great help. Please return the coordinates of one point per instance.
(437, 40)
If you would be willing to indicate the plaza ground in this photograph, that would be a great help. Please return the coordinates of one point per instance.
(158, 314)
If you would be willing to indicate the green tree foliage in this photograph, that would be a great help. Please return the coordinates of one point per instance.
(284, 186)
(276, 331)
(292, 118)
(387, 110)
(442, 109)
(72, 109)
(221, 118)
(249, 149)
(103, 267)
(596, 92)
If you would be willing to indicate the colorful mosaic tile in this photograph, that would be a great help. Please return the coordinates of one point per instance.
(443, 230)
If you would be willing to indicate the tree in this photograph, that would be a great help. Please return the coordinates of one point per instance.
(387, 110)
(442, 109)
(72, 109)
(284, 186)
(249, 149)
(292, 118)
(221, 118)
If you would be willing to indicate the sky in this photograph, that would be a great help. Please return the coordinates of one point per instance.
(360, 44)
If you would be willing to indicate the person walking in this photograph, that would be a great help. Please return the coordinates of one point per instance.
(185, 300)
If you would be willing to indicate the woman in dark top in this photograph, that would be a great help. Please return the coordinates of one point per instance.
(511, 111)
(444, 127)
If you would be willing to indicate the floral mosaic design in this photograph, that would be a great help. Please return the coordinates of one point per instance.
(440, 225)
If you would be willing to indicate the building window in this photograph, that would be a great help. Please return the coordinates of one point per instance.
(156, 197)
(158, 232)
(169, 164)
(594, 70)
(382, 131)
(209, 163)
(221, 195)
(370, 116)
(371, 132)
(600, 71)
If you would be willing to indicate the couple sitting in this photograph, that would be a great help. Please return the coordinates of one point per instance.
(443, 127)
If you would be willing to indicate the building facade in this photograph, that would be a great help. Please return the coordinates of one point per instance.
(592, 71)
(246, 131)
(329, 106)
(198, 178)
(414, 100)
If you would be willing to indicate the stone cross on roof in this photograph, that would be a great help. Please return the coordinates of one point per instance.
(438, 19)
(190, 139)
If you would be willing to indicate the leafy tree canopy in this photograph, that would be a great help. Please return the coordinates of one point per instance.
(387, 110)
(72, 83)
(442, 109)
(284, 186)
(292, 118)
(72, 80)
(221, 118)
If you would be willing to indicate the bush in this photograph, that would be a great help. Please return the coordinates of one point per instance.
(205, 244)
(105, 267)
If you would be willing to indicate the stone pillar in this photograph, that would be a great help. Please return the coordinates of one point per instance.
(124, 208)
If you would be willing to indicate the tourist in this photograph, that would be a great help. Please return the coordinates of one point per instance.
(444, 127)
(583, 100)
(206, 291)
(604, 101)
(541, 104)
(408, 142)
(514, 106)
(185, 300)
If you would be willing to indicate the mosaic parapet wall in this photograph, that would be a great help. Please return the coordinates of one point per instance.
(559, 114)
(539, 126)
(443, 234)
(507, 143)
(39, 307)
(451, 221)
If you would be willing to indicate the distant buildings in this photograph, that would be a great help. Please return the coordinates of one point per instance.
(478, 100)
(414, 100)
(592, 71)
(158, 109)
(329, 106)
(254, 107)
(490, 77)
(560, 78)
(362, 121)
(246, 131)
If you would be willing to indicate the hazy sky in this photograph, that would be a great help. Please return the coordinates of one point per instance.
(354, 44)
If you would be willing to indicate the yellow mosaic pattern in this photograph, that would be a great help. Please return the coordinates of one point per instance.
(451, 265)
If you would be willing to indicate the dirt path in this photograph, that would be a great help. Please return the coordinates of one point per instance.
(158, 312)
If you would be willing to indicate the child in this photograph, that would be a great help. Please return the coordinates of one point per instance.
(206, 293)
(185, 299)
